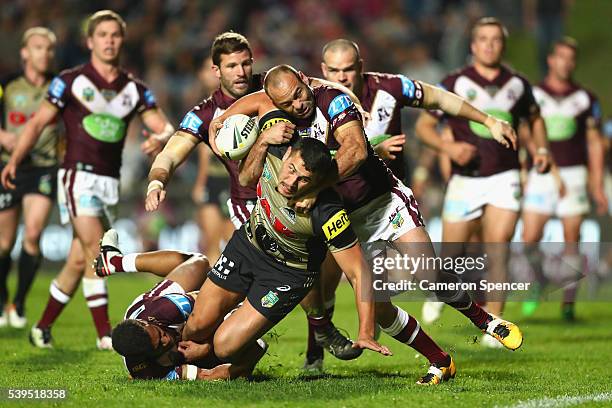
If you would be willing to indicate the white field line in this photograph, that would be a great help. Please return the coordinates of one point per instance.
(562, 401)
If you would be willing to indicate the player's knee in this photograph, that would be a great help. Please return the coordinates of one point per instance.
(31, 237)
(201, 263)
(225, 345)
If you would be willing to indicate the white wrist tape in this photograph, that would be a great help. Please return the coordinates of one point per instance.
(154, 185)
(165, 134)
(191, 372)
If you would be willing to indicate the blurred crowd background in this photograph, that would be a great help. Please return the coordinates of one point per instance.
(167, 42)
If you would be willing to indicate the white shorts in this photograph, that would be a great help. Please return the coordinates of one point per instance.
(466, 197)
(542, 193)
(240, 211)
(388, 216)
(84, 193)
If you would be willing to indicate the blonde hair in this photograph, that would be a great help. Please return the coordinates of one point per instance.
(104, 15)
(43, 31)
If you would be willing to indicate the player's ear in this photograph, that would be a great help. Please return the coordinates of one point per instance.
(287, 154)
(216, 70)
(324, 70)
(90, 43)
(23, 53)
(303, 77)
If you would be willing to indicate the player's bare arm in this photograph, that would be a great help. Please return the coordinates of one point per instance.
(437, 98)
(45, 114)
(175, 152)
(199, 185)
(161, 129)
(252, 166)
(353, 264)
(542, 159)
(426, 129)
(596, 153)
(353, 151)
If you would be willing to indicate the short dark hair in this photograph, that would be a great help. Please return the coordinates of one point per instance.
(228, 43)
(317, 157)
(131, 339)
(104, 15)
(490, 21)
(274, 73)
(341, 44)
(565, 41)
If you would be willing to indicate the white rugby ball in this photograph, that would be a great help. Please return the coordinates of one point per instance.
(238, 134)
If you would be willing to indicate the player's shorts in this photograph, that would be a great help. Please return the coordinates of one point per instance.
(272, 288)
(387, 217)
(466, 197)
(608, 190)
(240, 210)
(542, 193)
(84, 193)
(29, 180)
(164, 287)
(217, 193)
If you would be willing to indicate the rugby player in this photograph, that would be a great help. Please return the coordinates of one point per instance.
(484, 189)
(149, 337)
(380, 206)
(96, 100)
(573, 119)
(20, 96)
(232, 63)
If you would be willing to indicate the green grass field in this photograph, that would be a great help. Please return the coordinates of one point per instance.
(557, 359)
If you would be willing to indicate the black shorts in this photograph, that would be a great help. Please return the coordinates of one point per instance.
(271, 287)
(217, 192)
(29, 180)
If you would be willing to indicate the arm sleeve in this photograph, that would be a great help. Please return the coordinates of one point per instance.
(528, 104)
(147, 99)
(58, 91)
(331, 222)
(594, 115)
(406, 91)
(337, 107)
(196, 121)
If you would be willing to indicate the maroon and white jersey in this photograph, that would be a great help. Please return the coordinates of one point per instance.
(334, 109)
(568, 115)
(196, 123)
(167, 306)
(96, 115)
(509, 97)
(384, 96)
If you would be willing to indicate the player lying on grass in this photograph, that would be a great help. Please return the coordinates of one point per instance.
(149, 337)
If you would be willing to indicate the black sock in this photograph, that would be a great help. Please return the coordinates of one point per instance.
(28, 265)
(5, 267)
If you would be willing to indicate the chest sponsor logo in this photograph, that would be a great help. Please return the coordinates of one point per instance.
(104, 127)
(17, 118)
(336, 224)
(560, 113)
(20, 100)
(269, 299)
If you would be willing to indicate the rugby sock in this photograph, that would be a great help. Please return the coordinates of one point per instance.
(406, 329)
(28, 266)
(474, 312)
(5, 267)
(314, 351)
(329, 306)
(128, 262)
(96, 296)
(55, 305)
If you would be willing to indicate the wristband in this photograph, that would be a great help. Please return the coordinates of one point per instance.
(154, 185)
(542, 150)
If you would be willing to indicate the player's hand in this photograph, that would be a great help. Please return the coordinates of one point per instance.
(389, 149)
(8, 140)
(154, 199)
(601, 201)
(7, 175)
(213, 129)
(280, 133)
(303, 204)
(151, 146)
(461, 152)
(502, 132)
(368, 342)
(194, 351)
(542, 162)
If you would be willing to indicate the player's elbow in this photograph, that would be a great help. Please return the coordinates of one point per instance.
(245, 179)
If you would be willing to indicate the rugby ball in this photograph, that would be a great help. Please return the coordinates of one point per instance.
(238, 134)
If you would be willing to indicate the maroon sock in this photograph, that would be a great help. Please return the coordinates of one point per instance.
(476, 314)
(101, 321)
(117, 262)
(96, 297)
(314, 351)
(406, 329)
(56, 303)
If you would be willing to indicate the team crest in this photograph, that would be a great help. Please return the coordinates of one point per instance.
(290, 213)
(471, 94)
(88, 94)
(109, 94)
(269, 300)
(396, 219)
(19, 100)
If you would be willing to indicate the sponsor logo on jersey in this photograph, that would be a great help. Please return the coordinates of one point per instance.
(284, 288)
(338, 105)
(191, 122)
(408, 87)
(57, 87)
(290, 213)
(223, 267)
(271, 122)
(336, 224)
(149, 97)
(20, 100)
(269, 299)
(104, 127)
(266, 174)
(181, 302)
(17, 118)
(88, 94)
